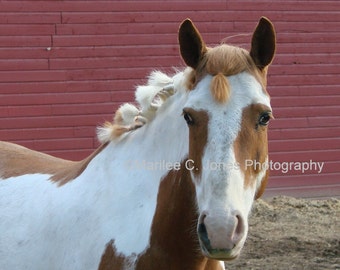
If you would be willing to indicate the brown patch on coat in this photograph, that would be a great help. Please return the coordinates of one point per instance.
(174, 243)
(198, 136)
(16, 160)
(252, 144)
(110, 260)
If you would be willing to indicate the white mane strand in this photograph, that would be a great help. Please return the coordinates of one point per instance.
(129, 117)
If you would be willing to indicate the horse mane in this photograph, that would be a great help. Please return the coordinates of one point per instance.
(130, 117)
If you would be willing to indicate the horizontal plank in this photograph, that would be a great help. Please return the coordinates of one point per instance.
(303, 133)
(303, 90)
(304, 69)
(304, 144)
(304, 122)
(87, 52)
(63, 108)
(24, 53)
(303, 180)
(26, 111)
(234, 17)
(52, 121)
(120, 28)
(306, 111)
(303, 79)
(66, 86)
(25, 41)
(114, 62)
(315, 155)
(312, 122)
(287, 6)
(292, 22)
(18, 64)
(29, 17)
(313, 47)
(65, 98)
(302, 37)
(19, 134)
(86, 6)
(69, 75)
(316, 192)
(114, 39)
(305, 101)
(306, 168)
(27, 29)
(307, 58)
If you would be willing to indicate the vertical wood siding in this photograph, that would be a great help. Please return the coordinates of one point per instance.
(65, 66)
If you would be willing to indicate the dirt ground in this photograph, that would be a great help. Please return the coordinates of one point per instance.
(287, 233)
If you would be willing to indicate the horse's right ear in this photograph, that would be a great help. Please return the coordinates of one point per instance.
(191, 44)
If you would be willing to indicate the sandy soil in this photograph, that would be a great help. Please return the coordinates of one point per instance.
(288, 233)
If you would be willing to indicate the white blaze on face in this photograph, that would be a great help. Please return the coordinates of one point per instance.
(221, 194)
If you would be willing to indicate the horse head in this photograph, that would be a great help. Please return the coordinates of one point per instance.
(227, 113)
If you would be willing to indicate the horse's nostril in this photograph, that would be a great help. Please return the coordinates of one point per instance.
(202, 218)
(203, 237)
(202, 230)
(239, 229)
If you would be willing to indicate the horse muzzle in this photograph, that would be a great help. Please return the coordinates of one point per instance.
(221, 240)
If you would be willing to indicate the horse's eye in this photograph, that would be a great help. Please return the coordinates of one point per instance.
(264, 118)
(188, 118)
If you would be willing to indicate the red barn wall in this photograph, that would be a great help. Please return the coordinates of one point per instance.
(66, 65)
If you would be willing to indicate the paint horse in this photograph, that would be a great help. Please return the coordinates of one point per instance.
(161, 192)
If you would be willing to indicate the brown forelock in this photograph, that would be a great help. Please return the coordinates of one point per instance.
(174, 243)
(252, 144)
(224, 60)
(16, 160)
(198, 136)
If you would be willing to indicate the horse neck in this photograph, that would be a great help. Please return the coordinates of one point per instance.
(163, 141)
(174, 239)
(173, 229)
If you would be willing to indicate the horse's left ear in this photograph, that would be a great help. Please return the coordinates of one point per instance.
(263, 43)
(191, 44)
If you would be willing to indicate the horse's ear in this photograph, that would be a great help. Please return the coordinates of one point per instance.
(191, 44)
(263, 43)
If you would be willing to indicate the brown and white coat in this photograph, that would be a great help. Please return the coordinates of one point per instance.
(168, 195)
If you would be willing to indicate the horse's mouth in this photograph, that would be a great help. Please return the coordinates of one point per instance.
(220, 254)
